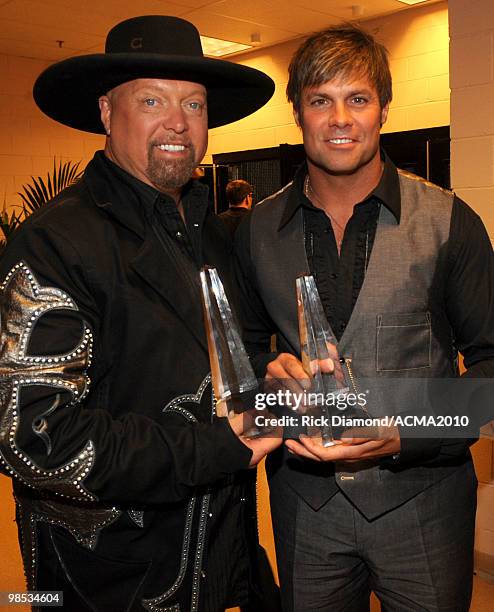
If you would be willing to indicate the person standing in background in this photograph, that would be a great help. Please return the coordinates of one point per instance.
(239, 196)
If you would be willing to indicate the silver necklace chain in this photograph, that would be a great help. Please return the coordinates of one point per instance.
(310, 195)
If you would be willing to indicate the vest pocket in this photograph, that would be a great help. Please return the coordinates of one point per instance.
(403, 341)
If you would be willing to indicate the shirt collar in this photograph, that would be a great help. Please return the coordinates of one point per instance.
(146, 197)
(386, 192)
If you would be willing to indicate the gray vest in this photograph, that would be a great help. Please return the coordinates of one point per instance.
(398, 330)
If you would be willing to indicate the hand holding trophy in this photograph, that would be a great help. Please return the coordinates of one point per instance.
(233, 380)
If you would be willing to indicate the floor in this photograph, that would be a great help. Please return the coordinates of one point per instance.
(483, 596)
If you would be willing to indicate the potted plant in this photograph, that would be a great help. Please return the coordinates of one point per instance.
(36, 194)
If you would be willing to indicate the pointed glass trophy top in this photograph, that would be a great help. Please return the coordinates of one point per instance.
(317, 340)
(231, 372)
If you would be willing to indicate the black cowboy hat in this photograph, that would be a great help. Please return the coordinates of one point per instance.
(153, 46)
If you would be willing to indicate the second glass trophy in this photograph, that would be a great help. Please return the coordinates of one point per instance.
(318, 343)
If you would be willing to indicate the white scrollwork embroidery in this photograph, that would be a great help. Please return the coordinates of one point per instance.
(23, 302)
(153, 605)
(137, 516)
(84, 523)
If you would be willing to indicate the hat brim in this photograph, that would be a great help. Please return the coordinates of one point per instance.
(68, 91)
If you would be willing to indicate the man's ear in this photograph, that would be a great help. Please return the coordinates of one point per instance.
(384, 114)
(105, 112)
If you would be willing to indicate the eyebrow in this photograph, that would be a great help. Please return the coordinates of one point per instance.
(156, 90)
(352, 92)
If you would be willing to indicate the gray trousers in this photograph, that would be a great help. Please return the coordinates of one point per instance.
(418, 556)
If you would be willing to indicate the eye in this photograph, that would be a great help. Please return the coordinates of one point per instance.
(150, 102)
(195, 105)
(359, 100)
(318, 102)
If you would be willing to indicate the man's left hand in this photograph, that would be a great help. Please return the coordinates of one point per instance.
(353, 447)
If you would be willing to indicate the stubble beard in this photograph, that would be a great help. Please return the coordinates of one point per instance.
(348, 169)
(170, 174)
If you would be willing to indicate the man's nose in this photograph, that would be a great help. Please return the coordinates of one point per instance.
(340, 115)
(175, 118)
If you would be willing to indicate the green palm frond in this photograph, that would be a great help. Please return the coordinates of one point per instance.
(38, 193)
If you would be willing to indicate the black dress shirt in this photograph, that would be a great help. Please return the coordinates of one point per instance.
(161, 211)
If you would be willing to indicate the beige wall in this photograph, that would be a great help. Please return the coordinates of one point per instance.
(417, 39)
(472, 175)
(28, 139)
(418, 42)
(472, 104)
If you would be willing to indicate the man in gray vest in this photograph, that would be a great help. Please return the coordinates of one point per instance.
(405, 274)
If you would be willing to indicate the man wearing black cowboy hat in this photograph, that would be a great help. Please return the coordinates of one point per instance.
(130, 494)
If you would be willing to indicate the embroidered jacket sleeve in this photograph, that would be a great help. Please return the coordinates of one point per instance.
(56, 434)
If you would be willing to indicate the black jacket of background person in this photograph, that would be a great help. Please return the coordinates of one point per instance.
(124, 479)
(233, 217)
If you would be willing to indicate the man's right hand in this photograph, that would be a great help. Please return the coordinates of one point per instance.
(260, 446)
(287, 372)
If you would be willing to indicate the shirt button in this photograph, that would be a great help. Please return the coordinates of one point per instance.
(333, 275)
(342, 326)
(203, 574)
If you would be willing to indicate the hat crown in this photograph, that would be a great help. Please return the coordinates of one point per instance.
(159, 34)
(148, 47)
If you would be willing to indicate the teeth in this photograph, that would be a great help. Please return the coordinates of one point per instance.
(340, 140)
(170, 147)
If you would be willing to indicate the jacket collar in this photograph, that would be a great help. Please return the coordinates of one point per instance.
(116, 192)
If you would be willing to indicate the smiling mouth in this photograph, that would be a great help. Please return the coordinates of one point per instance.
(339, 141)
(171, 148)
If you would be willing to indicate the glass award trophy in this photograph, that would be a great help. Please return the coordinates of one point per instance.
(317, 342)
(233, 380)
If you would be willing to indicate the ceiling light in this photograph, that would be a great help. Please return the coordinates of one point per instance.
(214, 47)
(412, 1)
